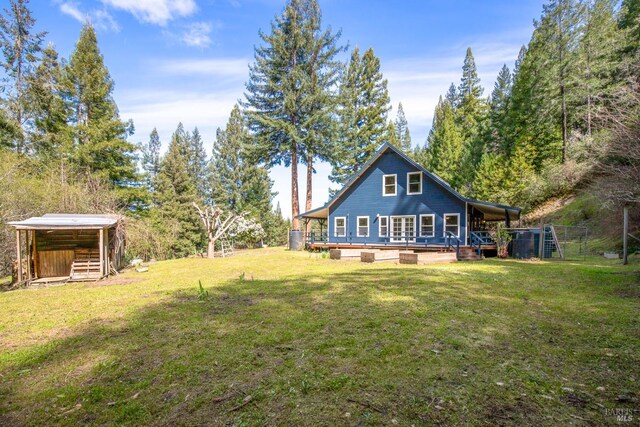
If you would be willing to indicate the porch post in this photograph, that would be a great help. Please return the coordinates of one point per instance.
(508, 219)
(19, 254)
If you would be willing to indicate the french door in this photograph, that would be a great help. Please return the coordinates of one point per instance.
(403, 229)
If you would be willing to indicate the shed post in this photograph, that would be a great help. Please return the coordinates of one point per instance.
(19, 253)
(35, 254)
(625, 236)
(101, 234)
(28, 253)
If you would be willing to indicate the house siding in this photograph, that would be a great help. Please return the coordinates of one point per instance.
(365, 198)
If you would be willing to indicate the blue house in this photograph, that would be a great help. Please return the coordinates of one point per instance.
(393, 201)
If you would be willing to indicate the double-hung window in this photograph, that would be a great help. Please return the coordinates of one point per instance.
(452, 224)
(427, 225)
(389, 185)
(363, 226)
(340, 226)
(414, 183)
(383, 226)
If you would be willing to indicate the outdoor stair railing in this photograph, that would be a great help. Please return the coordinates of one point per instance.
(479, 238)
(450, 240)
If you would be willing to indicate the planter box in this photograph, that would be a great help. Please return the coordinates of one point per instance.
(379, 255)
(345, 254)
(427, 257)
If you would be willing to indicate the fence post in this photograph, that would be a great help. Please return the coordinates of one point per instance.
(541, 244)
(625, 236)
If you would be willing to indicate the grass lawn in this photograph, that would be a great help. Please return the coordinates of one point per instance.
(293, 338)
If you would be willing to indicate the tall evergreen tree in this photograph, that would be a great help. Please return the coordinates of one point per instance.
(471, 116)
(445, 145)
(499, 110)
(363, 114)
(151, 159)
(20, 46)
(401, 128)
(174, 194)
(557, 33)
(49, 133)
(597, 59)
(100, 137)
(237, 184)
(287, 100)
(322, 70)
(197, 163)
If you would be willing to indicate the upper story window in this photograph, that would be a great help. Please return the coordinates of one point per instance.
(340, 226)
(414, 183)
(389, 185)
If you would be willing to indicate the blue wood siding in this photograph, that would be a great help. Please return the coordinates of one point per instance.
(364, 198)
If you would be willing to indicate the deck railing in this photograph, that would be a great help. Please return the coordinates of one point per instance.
(479, 238)
(452, 239)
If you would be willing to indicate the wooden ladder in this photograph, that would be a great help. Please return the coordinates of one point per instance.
(227, 248)
(555, 241)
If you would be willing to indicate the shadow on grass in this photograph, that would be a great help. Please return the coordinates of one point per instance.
(417, 345)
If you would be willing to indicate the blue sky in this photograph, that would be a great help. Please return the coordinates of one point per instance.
(187, 60)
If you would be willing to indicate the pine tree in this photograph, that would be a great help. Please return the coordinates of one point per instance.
(452, 96)
(557, 32)
(49, 133)
(237, 184)
(99, 136)
(151, 159)
(597, 59)
(174, 194)
(197, 163)
(401, 128)
(287, 99)
(445, 145)
(471, 116)
(499, 110)
(20, 46)
(363, 114)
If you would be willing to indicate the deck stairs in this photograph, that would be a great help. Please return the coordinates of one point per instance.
(468, 253)
(85, 266)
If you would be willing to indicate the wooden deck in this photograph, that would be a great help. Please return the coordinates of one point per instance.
(391, 246)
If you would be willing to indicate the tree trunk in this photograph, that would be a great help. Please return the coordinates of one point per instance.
(564, 123)
(295, 203)
(309, 201)
(211, 246)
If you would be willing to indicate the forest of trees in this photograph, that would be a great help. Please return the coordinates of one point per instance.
(567, 115)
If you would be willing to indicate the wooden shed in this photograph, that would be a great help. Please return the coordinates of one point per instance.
(68, 247)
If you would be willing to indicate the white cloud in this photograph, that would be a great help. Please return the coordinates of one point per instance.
(99, 18)
(72, 10)
(228, 67)
(197, 34)
(157, 12)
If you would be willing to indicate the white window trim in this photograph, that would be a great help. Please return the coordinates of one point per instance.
(380, 218)
(444, 223)
(409, 186)
(358, 227)
(433, 221)
(401, 239)
(335, 226)
(395, 187)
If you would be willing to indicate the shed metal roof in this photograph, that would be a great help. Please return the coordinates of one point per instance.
(66, 221)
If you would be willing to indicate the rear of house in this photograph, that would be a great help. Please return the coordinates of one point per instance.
(393, 201)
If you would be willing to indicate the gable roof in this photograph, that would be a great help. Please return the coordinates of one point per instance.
(323, 211)
(66, 221)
